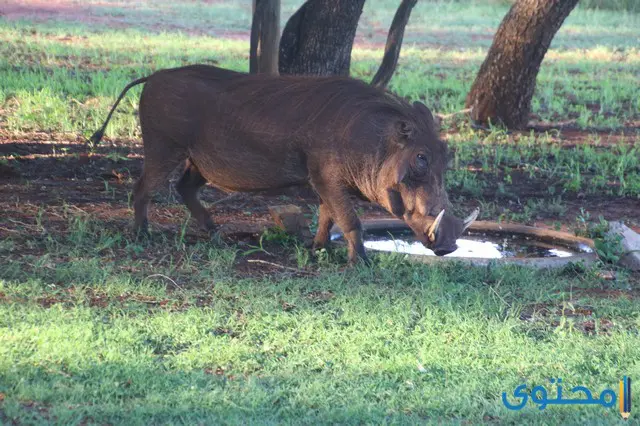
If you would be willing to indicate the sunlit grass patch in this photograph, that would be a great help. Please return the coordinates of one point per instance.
(63, 66)
(169, 339)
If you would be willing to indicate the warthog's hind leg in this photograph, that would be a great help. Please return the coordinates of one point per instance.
(159, 162)
(188, 187)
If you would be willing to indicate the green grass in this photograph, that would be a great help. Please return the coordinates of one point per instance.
(61, 77)
(99, 327)
(97, 331)
(480, 168)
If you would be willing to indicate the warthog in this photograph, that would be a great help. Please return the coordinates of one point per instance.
(242, 132)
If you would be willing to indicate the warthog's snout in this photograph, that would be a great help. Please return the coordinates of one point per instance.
(441, 236)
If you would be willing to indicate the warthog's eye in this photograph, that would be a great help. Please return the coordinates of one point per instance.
(420, 166)
(421, 163)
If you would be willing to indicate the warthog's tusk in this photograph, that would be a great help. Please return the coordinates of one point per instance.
(433, 229)
(469, 220)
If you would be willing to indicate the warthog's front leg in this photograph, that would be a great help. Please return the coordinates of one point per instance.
(344, 215)
(336, 206)
(325, 222)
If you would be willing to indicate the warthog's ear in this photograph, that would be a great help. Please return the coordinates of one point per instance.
(404, 129)
(424, 110)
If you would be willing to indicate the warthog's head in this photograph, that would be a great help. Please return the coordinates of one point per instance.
(412, 182)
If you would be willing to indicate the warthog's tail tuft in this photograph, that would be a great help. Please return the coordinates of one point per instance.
(97, 136)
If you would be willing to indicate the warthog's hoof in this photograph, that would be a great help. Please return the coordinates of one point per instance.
(317, 251)
(316, 246)
(215, 236)
(208, 225)
(142, 231)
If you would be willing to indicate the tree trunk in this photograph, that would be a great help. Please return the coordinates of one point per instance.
(318, 38)
(394, 43)
(265, 37)
(506, 81)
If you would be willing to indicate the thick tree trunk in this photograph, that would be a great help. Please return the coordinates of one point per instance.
(506, 81)
(394, 43)
(318, 38)
(265, 37)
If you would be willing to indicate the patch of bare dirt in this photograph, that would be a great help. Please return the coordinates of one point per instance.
(47, 179)
(569, 135)
(572, 133)
(76, 11)
(604, 137)
(50, 169)
(67, 10)
(583, 317)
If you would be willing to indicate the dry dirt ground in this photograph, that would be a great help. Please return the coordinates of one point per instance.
(45, 173)
(77, 11)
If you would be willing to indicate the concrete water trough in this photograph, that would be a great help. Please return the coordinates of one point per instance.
(483, 243)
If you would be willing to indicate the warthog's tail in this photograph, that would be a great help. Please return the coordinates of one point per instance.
(97, 136)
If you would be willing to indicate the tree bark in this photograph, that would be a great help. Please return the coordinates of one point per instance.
(265, 37)
(502, 91)
(318, 38)
(394, 44)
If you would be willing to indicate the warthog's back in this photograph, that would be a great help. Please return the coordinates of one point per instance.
(252, 132)
(173, 100)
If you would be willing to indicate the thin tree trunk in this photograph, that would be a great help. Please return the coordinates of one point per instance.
(265, 37)
(318, 38)
(506, 81)
(394, 44)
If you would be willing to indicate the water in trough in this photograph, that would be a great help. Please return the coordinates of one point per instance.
(474, 244)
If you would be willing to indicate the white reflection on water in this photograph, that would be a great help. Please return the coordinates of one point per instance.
(559, 253)
(466, 248)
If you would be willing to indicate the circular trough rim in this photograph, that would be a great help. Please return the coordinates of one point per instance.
(545, 235)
